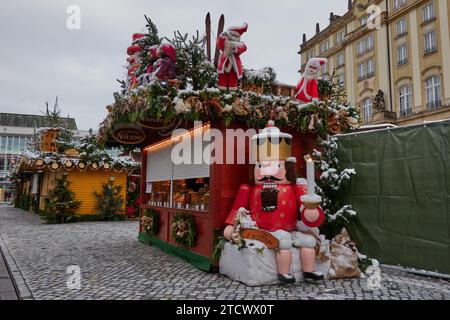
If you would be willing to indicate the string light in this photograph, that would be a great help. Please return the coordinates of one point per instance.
(193, 132)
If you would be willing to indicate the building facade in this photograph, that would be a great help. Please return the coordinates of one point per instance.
(15, 130)
(391, 57)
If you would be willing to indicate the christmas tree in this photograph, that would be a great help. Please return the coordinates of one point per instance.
(109, 201)
(61, 205)
(333, 178)
(151, 38)
(53, 120)
(194, 70)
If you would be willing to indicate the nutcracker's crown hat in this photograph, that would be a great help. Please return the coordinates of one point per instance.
(271, 144)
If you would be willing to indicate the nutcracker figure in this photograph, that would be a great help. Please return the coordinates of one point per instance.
(230, 65)
(307, 88)
(274, 203)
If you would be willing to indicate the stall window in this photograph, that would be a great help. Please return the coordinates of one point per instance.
(182, 185)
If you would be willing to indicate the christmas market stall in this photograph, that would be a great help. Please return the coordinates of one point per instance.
(71, 182)
(178, 97)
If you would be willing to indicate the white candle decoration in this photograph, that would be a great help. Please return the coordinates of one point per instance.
(311, 196)
(310, 175)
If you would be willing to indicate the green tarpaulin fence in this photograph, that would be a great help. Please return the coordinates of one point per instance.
(401, 193)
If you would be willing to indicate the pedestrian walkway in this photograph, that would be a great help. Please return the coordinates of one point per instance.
(112, 264)
(7, 290)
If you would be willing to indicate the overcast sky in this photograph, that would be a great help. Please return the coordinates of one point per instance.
(40, 58)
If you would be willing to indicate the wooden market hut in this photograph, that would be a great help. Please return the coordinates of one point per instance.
(36, 175)
(219, 182)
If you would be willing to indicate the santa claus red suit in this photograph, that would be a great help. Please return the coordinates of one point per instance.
(165, 67)
(307, 88)
(133, 59)
(230, 66)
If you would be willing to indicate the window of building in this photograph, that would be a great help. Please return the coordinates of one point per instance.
(341, 80)
(433, 92)
(369, 43)
(363, 21)
(311, 54)
(2, 163)
(324, 68)
(364, 45)
(361, 71)
(366, 69)
(340, 59)
(402, 54)
(370, 68)
(430, 42)
(428, 12)
(401, 27)
(405, 101)
(325, 46)
(367, 110)
(398, 4)
(340, 37)
(3, 144)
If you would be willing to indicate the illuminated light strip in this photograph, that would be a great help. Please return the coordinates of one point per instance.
(193, 132)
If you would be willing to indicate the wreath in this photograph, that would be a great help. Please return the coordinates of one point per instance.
(150, 222)
(184, 230)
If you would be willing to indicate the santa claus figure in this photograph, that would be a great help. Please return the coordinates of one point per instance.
(230, 65)
(165, 68)
(151, 59)
(307, 88)
(134, 62)
(274, 203)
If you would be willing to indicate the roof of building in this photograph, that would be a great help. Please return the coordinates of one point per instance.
(31, 120)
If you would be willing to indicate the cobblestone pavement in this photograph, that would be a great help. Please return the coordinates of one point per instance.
(114, 265)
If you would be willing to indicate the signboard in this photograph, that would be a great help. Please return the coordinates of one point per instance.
(157, 125)
(129, 135)
(263, 236)
(48, 140)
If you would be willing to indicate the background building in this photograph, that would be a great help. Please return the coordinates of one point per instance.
(400, 47)
(15, 129)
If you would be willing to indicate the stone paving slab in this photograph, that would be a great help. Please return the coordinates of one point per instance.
(7, 290)
(114, 265)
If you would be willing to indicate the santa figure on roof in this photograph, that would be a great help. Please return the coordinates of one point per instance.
(134, 62)
(230, 66)
(307, 88)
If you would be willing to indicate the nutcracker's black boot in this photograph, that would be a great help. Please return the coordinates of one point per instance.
(286, 278)
(313, 276)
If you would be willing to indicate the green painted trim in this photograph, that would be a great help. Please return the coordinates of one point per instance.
(198, 261)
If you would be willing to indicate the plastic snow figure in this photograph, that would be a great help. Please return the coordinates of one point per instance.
(230, 65)
(274, 202)
(307, 88)
(165, 68)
